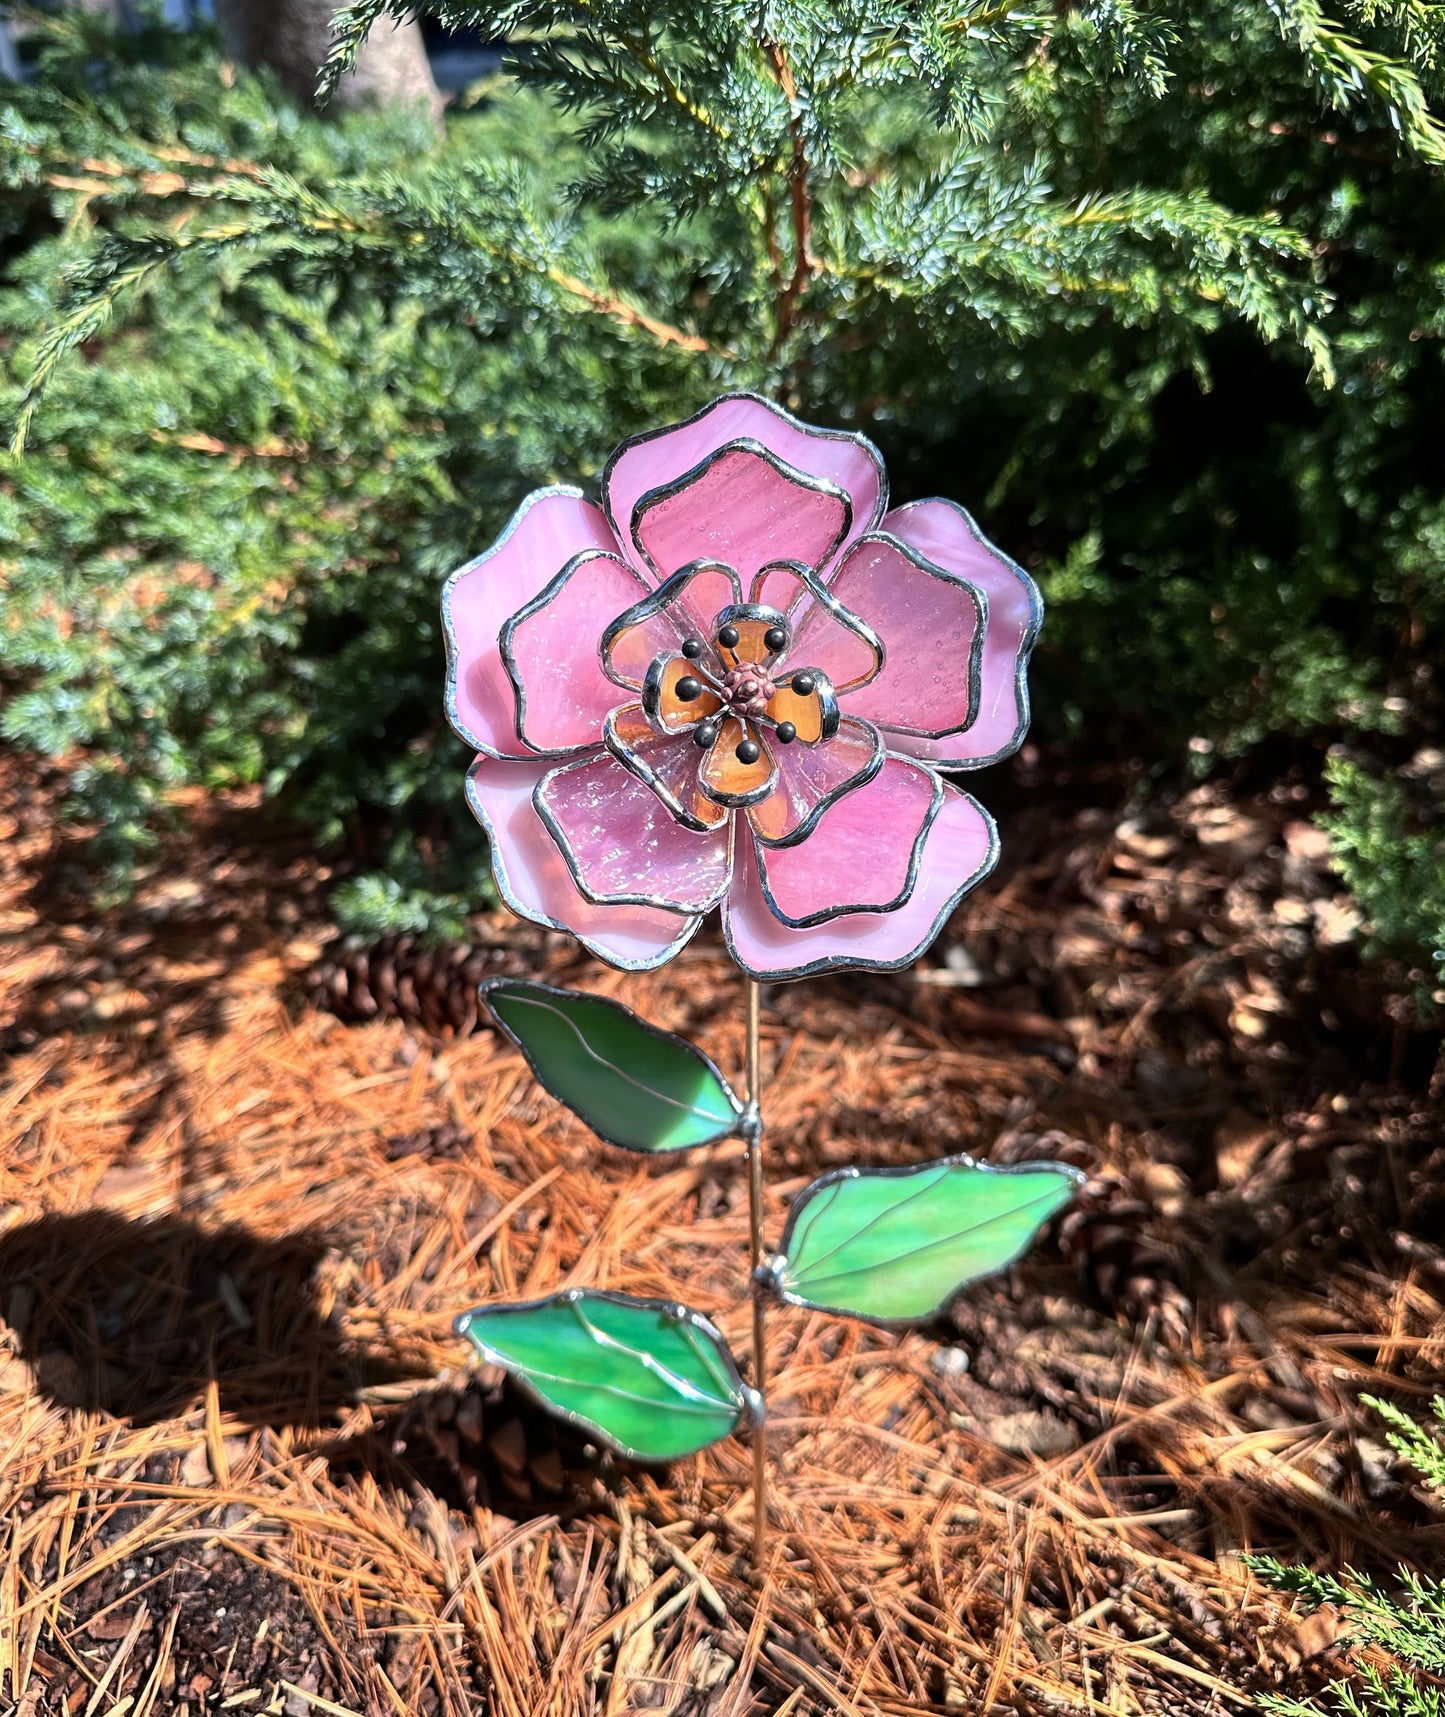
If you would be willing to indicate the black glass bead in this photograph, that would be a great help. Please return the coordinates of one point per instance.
(803, 684)
(687, 688)
(728, 637)
(786, 732)
(704, 735)
(749, 751)
(692, 648)
(775, 637)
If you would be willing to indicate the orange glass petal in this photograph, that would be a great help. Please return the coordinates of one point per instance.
(726, 774)
(672, 763)
(803, 709)
(675, 713)
(750, 647)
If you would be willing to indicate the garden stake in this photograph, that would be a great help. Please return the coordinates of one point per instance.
(738, 683)
(754, 1124)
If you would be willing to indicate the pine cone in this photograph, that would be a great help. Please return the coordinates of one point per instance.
(1106, 1234)
(490, 1442)
(431, 986)
(444, 1143)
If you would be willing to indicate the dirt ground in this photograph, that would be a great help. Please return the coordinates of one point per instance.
(247, 1180)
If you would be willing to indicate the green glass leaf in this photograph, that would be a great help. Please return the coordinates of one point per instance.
(634, 1085)
(655, 1381)
(895, 1245)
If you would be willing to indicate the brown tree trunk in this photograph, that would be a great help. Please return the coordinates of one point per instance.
(293, 37)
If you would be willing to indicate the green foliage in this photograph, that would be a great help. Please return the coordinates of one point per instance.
(1408, 1624)
(1345, 68)
(1394, 865)
(1156, 292)
(223, 548)
(415, 893)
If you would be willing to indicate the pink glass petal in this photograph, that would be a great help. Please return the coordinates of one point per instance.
(849, 462)
(949, 538)
(864, 853)
(698, 602)
(563, 694)
(661, 622)
(930, 622)
(625, 845)
(535, 883)
(820, 638)
(547, 530)
(741, 509)
(961, 849)
(808, 774)
(631, 651)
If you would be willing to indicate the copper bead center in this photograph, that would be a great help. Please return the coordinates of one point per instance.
(747, 689)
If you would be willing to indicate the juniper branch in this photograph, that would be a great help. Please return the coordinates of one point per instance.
(1346, 70)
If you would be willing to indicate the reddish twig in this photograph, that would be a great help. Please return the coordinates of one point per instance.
(801, 201)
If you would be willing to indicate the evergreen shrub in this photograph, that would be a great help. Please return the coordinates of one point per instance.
(1161, 296)
(1401, 1628)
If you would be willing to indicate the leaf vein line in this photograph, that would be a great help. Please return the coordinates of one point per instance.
(926, 1185)
(928, 1246)
(648, 1361)
(627, 1078)
(822, 1204)
(615, 1389)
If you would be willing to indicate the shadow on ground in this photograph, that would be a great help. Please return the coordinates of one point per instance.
(135, 1318)
(232, 888)
(488, 1445)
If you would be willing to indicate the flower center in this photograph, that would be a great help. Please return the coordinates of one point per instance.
(747, 689)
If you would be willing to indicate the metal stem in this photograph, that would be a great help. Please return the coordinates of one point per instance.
(755, 1228)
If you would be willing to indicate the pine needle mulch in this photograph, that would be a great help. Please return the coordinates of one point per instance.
(244, 1466)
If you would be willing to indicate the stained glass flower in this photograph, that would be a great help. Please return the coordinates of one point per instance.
(738, 683)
